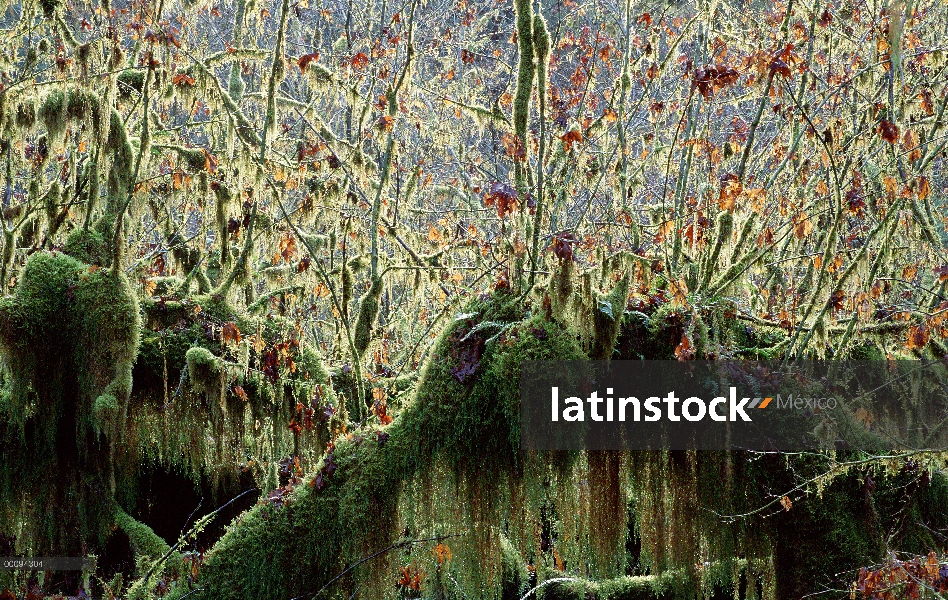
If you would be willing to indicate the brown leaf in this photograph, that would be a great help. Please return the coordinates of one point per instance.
(942, 273)
(569, 137)
(183, 80)
(684, 349)
(230, 333)
(889, 131)
(917, 337)
(359, 61)
(802, 226)
(927, 104)
(304, 60)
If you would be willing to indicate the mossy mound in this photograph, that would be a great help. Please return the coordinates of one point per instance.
(464, 416)
(69, 337)
(89, 246)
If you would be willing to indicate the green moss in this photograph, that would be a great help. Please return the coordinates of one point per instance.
(50, 7)
(607, 319)
(465, 415)
(204, 370)
(119, 178)
(144, 540)
(69, 336)
(52, 113)
(669, 586)
(129, 81)
(82, 105)
(866, 350)
(368, 312)
(526, 69)
(825, 537)
(25, 115)
(89, 246)
(193, 158)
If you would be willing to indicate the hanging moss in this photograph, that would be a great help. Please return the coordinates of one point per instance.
(217, 408)
(52, 112)
(69, 336)
(368, 312)
(465, 413)
(119, 147)
(82, 105)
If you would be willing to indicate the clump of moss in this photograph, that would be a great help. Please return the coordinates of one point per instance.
(194, 158)
(368, 312)
(69, 336)
(204, 370)
(89, 246)
(50, 7)
(52, 112)
(607, 319)
(25, 115)
(129, 81)
(82, 105)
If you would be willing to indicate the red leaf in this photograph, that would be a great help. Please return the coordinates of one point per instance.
(183, 80)
(562, 246)
(230, 333)
(359, 61)
(889, 131)
(503, 197)
(569, 137)
(304, 60)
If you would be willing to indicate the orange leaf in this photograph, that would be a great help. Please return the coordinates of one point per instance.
(359, 61)
(917, 337)
(304, 60)
(569, 137)
(230, 333)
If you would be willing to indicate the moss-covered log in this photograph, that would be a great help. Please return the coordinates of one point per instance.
(464, 416)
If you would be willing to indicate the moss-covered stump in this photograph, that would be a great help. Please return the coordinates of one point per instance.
(69, 337)
(373, 488)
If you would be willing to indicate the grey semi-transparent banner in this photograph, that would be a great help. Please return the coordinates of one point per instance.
(716, 405)
(47, 563)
